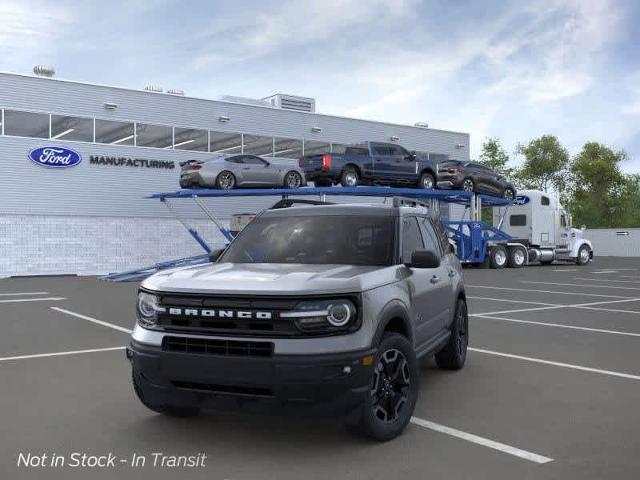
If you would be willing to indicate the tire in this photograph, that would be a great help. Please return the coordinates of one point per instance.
(349, 177)
(468, 185)
(168, 410)
(509, 194)
(454, 353)
(584, 255)
(427, 181)
(322, 182)
(225, 180)
(394, 385)
(517, 257)
(292, 180)
(498, 257)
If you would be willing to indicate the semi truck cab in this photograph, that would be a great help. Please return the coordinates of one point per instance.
(538, 223)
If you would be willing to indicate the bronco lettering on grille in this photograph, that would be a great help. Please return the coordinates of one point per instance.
(194, 312)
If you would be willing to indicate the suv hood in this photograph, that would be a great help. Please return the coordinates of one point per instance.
(271, 279)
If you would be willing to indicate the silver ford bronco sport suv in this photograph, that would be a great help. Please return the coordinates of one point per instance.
(321, 310)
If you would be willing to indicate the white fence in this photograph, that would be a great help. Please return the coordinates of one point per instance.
(615, 242)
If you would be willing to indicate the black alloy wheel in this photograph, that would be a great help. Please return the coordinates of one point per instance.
(390, 389)
(508, 194)
(468, 185)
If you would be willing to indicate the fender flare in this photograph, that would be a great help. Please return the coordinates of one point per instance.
(392, 310)
(578, 244)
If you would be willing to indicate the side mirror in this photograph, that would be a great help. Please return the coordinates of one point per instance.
(214, 255)
(424, 259)
(583, 227)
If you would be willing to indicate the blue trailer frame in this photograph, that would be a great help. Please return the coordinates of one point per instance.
(472, 237)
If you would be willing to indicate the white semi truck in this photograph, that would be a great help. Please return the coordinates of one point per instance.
(541, 232)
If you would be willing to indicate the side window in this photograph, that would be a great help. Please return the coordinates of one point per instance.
(411, 238)
(441, 235)
(518, 220)
(431, 241)
(237, 159)
(251, 160)
(563, 220)
(544, 201)
(397, 150)
(381, 150)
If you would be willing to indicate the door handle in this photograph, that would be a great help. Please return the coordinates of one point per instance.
(434, 279)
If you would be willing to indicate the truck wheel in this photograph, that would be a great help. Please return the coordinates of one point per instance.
(454, 353)
(427, 181)
(391, 398)
(168, 410)
(225, 180)
(517, 257)
(498, 257)
(584, 255)
(349, 177)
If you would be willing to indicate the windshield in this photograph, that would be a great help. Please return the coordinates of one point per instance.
(320, 239)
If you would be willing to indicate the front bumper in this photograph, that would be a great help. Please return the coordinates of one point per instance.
(449, 182)
(316, 385)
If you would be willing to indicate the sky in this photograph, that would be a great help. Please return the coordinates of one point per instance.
(508, 69)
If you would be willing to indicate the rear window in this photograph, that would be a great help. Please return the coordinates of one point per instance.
(518, 220)
(357, 150)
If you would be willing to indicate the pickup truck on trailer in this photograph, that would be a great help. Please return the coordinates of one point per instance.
(320, 309)
(371, 163)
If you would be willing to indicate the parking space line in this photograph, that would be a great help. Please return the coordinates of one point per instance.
(507, 300)
(5, 294)
(558, 325)
(613, 310)
(59, 354)
(554, 307)
(605, 280)
(93, 320)
(581, 285)
(43, 299)
(582, 294)
(556, 364)
(485, 442)
(564, 270)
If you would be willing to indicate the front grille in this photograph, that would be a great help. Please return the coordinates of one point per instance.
(226, 348)
(225, 389)
(274, 326)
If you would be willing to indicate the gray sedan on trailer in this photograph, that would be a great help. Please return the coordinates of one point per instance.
(227, 172)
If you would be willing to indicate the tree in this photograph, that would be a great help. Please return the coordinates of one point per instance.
(494, 156)
(545, 164)
(601, 194)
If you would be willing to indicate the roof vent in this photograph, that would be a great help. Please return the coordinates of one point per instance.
(44, 71)
(292, 102)
(153, 88)
(421, 124)
(244, 100)
(175, 91)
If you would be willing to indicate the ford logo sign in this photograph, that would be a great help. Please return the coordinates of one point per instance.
(55, 157)
(521, 200)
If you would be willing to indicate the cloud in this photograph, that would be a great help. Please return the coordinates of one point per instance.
(29, 25)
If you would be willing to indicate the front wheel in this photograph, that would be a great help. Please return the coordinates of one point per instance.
(393, 391)
(225, 180)
(427, 181)
(468, 185)
(584, 255)
(508, 194)
(454, 353)
(292, 180)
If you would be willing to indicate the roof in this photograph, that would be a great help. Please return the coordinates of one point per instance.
(383, 210)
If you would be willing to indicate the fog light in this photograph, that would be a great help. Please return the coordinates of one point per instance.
(368, 360)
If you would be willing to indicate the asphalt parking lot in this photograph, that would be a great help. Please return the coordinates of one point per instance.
(551, 390)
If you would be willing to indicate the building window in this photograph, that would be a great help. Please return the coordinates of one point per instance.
(338, 148)
(287, 148)
(257, 145)
(71, 128)
(225, 142)
(312, 147)
(26, 124)
(157, 136)
(114, 133)
(190, 139)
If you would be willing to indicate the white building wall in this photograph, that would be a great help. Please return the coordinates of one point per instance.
(615, 242)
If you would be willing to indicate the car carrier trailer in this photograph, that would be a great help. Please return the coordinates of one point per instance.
(476, 242)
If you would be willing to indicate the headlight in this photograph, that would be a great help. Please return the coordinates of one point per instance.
(147, 308)
(323, 316)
